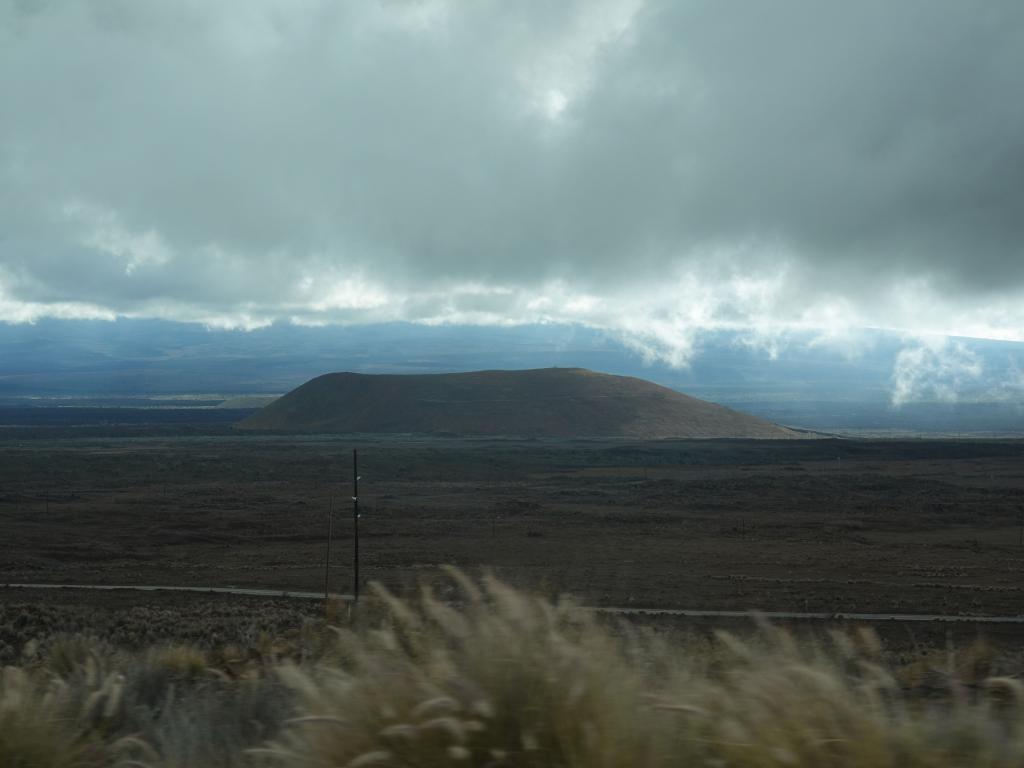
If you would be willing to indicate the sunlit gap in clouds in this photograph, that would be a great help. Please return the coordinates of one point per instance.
(668, 324)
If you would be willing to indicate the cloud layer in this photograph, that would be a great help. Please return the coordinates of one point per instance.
(653, 168)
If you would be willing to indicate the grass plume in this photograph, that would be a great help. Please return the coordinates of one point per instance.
(499, 677)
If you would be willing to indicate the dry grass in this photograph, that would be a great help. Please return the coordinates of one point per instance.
(502, 678)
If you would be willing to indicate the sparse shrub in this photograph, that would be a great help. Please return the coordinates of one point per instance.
(66, 655)
(181, 661)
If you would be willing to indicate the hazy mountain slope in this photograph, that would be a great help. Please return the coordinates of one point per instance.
(547, 402)
(800, 382)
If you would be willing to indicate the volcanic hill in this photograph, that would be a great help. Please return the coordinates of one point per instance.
(547, 402)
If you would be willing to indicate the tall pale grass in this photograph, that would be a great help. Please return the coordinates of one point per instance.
(35, 729)
(513, 680)
(499, 678)
(505, 679)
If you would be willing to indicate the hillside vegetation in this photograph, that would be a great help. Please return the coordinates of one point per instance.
(547, 402)
(499, 678)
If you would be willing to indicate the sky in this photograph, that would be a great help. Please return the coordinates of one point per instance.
(653, 169)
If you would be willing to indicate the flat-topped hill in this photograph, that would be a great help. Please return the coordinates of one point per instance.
(547, 402)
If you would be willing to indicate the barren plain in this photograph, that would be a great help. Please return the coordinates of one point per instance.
(820, 525)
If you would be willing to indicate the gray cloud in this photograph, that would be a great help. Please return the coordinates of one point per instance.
(649, 167)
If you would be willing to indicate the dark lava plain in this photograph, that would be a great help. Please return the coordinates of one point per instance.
(916, 526)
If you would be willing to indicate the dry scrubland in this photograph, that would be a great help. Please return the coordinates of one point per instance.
(817, 525)
(133, 621)
(502, 678)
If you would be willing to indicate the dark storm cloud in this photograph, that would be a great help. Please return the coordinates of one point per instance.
(649, 167)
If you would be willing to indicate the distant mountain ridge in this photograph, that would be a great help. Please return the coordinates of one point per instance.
(795, 380)
(545, 402)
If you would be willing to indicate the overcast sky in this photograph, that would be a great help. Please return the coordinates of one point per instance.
(652, 168)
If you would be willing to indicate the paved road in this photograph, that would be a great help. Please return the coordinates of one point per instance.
(701, 614)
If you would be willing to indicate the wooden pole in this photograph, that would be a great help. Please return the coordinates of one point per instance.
(327, 559)
(355, 525)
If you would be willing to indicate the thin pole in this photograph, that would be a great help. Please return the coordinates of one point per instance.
(355, 525)
(327, 560)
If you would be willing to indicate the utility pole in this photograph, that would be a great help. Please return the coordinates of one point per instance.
(355, 525)
(327, 559)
